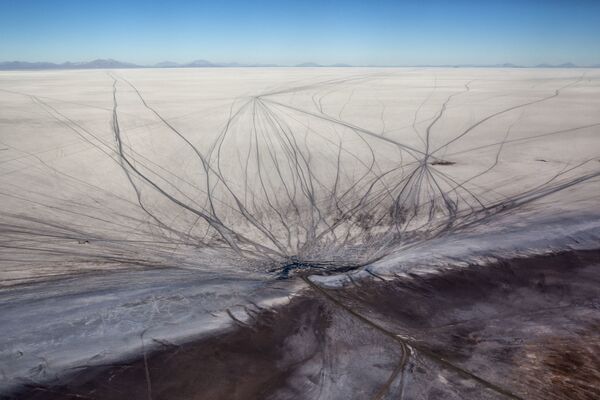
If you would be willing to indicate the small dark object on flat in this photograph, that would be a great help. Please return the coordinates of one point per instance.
(442, 162)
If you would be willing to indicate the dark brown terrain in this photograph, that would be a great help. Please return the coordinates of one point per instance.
(520, 329)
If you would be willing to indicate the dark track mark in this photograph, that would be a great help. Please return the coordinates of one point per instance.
(442, 162)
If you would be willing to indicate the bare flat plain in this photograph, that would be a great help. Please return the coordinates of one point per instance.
(415, 233)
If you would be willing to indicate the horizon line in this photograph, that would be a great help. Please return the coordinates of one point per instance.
(109, 63)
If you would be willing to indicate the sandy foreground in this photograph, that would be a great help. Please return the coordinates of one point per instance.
(445, 223)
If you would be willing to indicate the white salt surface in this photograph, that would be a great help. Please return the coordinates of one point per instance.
(105, 250)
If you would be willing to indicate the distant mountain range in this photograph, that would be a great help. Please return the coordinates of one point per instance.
(113, 64)
(95, 64)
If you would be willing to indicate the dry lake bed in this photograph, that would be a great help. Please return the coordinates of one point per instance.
(300, 233)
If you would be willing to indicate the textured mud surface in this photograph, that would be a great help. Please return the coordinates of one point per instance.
(521, 329)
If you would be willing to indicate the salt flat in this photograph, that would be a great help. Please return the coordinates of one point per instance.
(236, 176)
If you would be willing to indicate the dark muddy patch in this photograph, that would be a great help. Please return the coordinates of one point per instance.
(523, 329)
(246, 363)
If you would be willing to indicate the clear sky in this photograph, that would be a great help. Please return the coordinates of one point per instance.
(376, 32)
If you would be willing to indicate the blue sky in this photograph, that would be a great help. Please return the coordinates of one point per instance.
(378, 32)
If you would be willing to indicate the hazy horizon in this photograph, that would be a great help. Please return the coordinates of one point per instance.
(110, 63)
